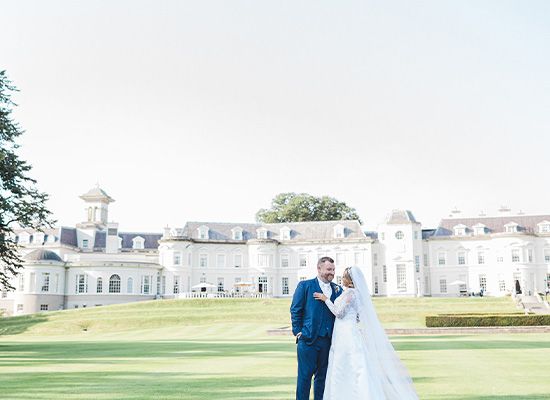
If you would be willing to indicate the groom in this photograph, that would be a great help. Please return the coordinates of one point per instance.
(312, 324)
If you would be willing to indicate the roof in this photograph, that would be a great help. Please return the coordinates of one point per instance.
(68, 236)
(526, 223)
(313, 230)
(96, 193)
(151, 239)
(400, 217)
(42, 255)
(427, 233)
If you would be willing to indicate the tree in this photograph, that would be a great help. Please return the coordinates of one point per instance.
(22, 205)
(296, 207)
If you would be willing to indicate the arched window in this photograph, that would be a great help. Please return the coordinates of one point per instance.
(130, 288)
(99, 288)
(114, 284)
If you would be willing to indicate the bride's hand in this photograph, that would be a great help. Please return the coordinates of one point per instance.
(320, 296)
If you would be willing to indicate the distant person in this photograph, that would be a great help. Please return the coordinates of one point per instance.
(363, 364)
(312, 324)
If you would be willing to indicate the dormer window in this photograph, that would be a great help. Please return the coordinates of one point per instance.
(24, 237)
(511, 227)
(138, 243)
(479, 229)
(50, 239)
(339, 232)
(285, 233)
(237, 233)
(203, 232)
(262, 233)
(544, 227)
(460, 230)
(39, 238)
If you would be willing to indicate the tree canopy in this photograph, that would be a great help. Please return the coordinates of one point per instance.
(297, 207)
(21, 203)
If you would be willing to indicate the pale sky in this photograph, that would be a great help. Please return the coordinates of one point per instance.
(205, 110)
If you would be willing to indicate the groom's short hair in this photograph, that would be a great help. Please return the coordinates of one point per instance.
(323, 260)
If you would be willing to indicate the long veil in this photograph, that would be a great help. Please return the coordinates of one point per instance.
(395, 379)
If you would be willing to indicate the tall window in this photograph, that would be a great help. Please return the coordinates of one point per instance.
(114, 284)
(158, 283)
(401, 277)
(303, 260)
(547, 256)
(45, 282)
(99, 285)
(284, 260)
(358, 258)
(443, 285)
(480, 257)
(548, 281)
(501, 283)
(425, 260)
(220, 260)
(203, 260)
(262, 284)
(417, 263)
(264, 260)
(176, 284)
(530, 255)
(235, 287)
(375, 259)
(130, 285)
(515, 255)
(238, 260)
(33, 282)
(21, 281)
(177, 258)
(146, 284)
(220, 285)
(284, 285)
(82, 283)
(483, 282)
(441, 258)
(375, 285)
(163, 284)
(85, 243)
(384, 273)
(461, 258)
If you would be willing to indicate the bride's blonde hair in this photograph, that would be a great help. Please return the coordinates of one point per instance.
(347, 275)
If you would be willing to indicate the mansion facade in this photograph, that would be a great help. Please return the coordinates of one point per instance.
(96, 264)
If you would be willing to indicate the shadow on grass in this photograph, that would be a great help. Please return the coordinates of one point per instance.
(480, 343)
(134, 386)
(494, 397)
(19, 354)
(19, 324)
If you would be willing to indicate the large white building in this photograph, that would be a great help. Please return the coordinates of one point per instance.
(95, 264)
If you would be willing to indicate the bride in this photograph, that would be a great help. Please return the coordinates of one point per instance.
(362, 362)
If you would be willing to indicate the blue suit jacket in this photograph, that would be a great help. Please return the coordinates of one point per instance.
(306, 313)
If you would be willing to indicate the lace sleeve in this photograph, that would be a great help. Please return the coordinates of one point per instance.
(343, 304)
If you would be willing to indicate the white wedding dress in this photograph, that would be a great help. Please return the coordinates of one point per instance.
(362, 362)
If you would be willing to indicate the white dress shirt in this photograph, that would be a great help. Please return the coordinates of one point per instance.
(325, 287)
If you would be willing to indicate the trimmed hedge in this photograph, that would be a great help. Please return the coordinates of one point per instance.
(473, 319)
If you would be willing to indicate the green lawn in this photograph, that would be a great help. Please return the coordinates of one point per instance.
(220, 350)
